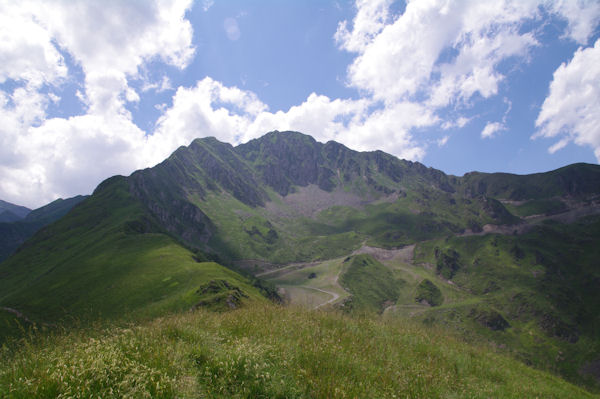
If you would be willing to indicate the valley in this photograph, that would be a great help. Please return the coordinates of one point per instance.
(319, 233)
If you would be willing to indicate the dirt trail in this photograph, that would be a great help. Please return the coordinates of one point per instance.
(334, 295)
(297, 266)
(289, 268)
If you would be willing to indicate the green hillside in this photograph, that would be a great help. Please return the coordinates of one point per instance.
(269, 352)
(372, 286)
(577, 180)
(535, 294)
(109, 258)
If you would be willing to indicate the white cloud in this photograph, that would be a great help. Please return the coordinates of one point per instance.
(110, 42)
(582, 17)
(371, 17)
(389, 129)
(66, 157)
(113, 39)
(234, 115)
(442, 142)
(448, 53)
(490, 129)
(435, 55)
(460, 122)
(571, 111)
(318, 115)
(159, 87)
(207, 109)
(27, 53)
(411, 54)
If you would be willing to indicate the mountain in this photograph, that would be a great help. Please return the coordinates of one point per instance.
(11, 212)
(498, 258)
(296, 199)
(576, 181)
(108, 257)
(14, 232)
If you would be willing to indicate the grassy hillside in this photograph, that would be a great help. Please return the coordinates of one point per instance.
(154, 243)
(537, 207)
(109, 258)
(267, 351)
(372, 285)
(535, 294)
(577, 180)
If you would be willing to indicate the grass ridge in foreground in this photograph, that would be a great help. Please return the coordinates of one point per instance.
(265, 351)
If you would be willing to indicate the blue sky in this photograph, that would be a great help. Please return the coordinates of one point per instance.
(90, 89)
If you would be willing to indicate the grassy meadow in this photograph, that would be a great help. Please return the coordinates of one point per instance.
(266, 351)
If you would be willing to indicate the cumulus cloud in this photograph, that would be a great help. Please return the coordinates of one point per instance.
(582, 17)
(440, 54)
(321, 117)
(207, 4)
(571, 112)
(408, 67)
(460, 122)
(26, 49)
(371, 17)
(112, 39)
(234, 115)
(44, 158)
(66, 157)
(207, 109)
(447, 51)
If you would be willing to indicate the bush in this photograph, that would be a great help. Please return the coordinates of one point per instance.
(430, 293)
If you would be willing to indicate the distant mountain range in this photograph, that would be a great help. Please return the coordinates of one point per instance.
(19, 223)
(500, 256)
(11, 212)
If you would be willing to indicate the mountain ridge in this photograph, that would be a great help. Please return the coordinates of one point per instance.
(11, 212)
(15, 232)
(194, 230)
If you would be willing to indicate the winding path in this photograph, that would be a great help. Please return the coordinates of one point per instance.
(333, 294)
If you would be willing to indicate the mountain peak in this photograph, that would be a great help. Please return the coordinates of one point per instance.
(14, 210)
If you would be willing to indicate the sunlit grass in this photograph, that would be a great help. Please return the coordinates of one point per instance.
(267, 352)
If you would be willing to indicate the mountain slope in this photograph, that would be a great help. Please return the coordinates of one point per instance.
(107, 257)
(577, 180)
(13, 234)
(143, 245)
(283, 197)
(286, 197)
(536, 293)
(11, 212)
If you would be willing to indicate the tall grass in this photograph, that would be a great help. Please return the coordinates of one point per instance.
(267, 352)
